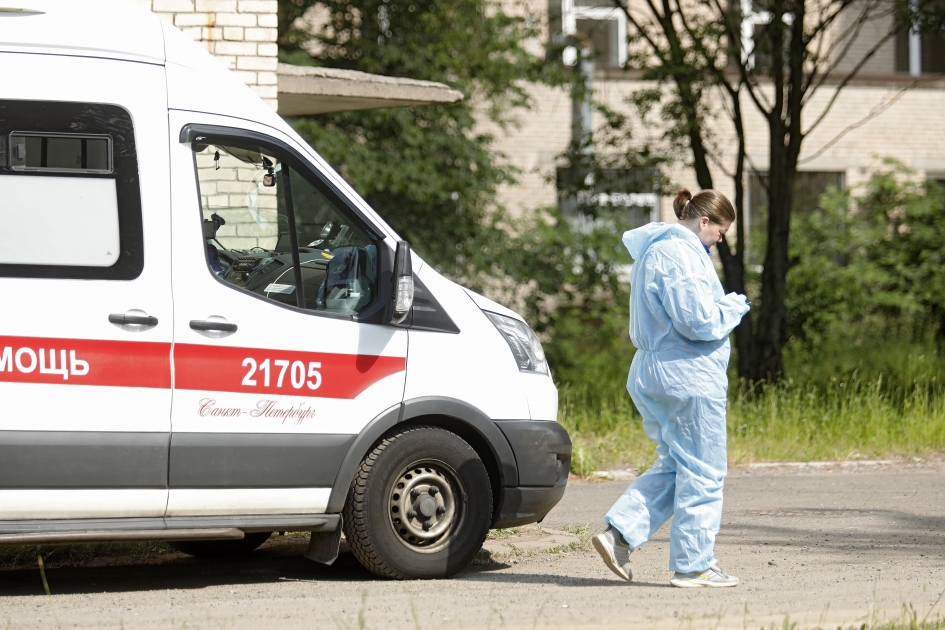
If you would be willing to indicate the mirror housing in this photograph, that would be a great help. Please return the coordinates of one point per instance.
(403, 283)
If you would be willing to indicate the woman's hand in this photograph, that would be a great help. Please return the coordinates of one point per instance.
(738, 301)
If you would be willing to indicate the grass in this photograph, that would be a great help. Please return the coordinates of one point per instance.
(854, 398)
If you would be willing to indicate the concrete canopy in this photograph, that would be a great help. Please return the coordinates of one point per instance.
(305, 90)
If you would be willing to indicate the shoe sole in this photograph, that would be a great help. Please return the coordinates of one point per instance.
(609, 559)
(694, 584)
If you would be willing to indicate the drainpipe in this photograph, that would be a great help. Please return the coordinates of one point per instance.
(582, 93)
(915, 45)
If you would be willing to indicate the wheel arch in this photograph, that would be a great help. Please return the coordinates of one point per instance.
(468, 422)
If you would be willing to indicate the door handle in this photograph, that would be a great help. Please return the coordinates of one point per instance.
(205, 326)
(146, 321)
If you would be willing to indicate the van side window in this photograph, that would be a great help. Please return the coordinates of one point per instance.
(69, 199)
(60, 152)
(269, 230)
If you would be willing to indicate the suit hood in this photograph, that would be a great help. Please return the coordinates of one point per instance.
(639, 240)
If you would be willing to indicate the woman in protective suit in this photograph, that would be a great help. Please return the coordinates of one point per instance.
(680, 319)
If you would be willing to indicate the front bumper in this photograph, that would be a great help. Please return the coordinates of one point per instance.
(543, 457)
(521, 506)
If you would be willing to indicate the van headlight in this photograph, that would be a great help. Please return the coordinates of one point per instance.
(523, 342)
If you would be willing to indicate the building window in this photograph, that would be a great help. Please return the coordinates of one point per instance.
(628, 197)
(756, 38)
(602, 24)
(808, 187)
(918, 54)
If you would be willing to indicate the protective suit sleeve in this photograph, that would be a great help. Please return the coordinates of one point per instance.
(696, 314)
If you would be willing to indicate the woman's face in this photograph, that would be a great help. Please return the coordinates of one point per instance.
(708, 232)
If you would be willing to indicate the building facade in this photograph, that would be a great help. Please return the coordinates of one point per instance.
(892, 109)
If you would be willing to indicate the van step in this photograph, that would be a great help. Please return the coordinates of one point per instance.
(121, 535)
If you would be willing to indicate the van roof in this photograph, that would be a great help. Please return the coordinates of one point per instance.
(111, 29)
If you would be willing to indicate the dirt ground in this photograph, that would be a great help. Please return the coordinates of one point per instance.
(822, 545)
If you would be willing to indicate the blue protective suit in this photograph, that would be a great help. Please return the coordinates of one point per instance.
(680, 320)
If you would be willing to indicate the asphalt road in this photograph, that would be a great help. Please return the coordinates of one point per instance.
(828, 546)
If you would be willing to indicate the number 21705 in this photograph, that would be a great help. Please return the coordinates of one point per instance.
(300, 375)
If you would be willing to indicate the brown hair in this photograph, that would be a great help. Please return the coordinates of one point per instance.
(708, 203)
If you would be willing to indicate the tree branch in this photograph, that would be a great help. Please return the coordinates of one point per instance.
(849, 37)
(761, 102)
(846, 80)
(876, 111)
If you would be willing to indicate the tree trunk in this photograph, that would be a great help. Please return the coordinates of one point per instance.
(733, 263)
(784, 123)
(769, 364)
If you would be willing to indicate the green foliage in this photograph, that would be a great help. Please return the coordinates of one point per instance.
(826, 287)
(470, 45)
(566, 271)
(568, 265)
(866, 363)
(417, 167)
(864, 392)
(907, 223)
(427, 170)
(870, 257)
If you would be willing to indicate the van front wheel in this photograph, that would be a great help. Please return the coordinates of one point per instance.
(420, 505)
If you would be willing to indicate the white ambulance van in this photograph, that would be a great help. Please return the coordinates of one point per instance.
(206, 336)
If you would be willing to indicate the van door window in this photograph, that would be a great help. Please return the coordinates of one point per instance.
(269, 230)
(70, 204)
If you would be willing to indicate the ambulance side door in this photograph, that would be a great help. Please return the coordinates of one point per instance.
(85, 334)
(276, 371)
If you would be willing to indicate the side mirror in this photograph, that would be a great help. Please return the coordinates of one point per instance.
(403, 283)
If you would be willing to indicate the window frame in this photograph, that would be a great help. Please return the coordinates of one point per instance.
(752, 18)
(608, 186)
(82, 120)
(758, 177)
(377, 311)
(570, 14)
(913, 51)
(53, 170)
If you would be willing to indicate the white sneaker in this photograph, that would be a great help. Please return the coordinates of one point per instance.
(712, 577)
(615, 552)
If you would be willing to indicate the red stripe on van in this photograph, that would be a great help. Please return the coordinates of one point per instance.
(243, 370)
(87, 362)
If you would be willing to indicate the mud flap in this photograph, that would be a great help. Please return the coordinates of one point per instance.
(323, 546)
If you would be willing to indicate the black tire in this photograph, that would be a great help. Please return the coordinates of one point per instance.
(221, 548)
(437, 524)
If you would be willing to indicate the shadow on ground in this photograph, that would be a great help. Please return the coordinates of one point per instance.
(277, 563)
(833, 534)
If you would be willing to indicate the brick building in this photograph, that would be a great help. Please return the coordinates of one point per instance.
(892, 109)
(240, 33)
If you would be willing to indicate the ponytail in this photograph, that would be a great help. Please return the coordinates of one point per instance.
(708, 203)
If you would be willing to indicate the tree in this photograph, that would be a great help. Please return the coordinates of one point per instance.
(428, 170)
(696, 50)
